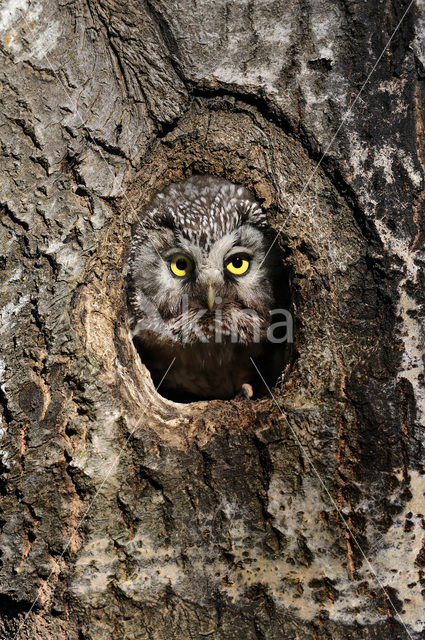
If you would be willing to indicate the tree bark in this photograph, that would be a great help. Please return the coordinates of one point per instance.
(299, 515)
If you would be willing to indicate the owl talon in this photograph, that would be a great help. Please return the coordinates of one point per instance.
(247, 391)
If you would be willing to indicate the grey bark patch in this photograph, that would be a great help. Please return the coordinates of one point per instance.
(212, 521)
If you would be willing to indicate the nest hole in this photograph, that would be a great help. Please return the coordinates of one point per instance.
(224, 363)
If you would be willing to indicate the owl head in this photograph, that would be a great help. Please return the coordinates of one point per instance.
(201, 265)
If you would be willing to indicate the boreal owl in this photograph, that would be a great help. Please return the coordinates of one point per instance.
(203, 278)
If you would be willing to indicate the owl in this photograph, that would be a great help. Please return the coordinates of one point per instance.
(203, 277)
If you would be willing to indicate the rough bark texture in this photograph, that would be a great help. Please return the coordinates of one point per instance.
(126, 515)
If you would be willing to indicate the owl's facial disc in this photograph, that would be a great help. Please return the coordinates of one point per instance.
(219, 288)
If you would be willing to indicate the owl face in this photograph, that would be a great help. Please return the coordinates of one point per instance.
(200, 266)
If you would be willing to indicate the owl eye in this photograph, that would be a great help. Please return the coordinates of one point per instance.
(238, 265)
(181, 265)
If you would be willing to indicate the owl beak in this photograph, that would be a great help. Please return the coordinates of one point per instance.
(210, 297)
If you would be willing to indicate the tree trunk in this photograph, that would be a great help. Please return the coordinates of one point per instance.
(299, 515)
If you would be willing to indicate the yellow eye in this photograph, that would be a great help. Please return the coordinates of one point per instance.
(238, 265)
(181, 265)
